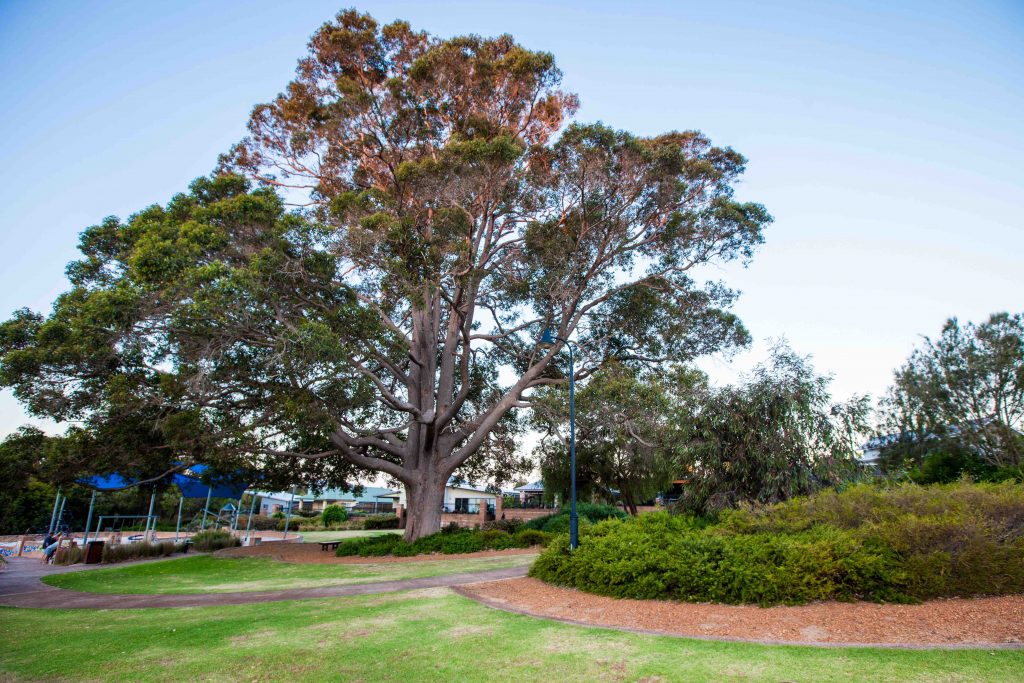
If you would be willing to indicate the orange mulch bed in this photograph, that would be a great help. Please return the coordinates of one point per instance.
(310, 553)
(976, 622)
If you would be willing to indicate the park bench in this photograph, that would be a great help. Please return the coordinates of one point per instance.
(329, 545)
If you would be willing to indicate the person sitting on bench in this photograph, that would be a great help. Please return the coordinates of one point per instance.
(50, 545)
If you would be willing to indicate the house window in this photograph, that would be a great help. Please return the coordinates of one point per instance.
(462, 505)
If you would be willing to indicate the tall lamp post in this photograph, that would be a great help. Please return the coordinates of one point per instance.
(548, 340)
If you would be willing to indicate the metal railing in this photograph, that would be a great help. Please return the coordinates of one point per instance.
(528, 504)
(469, 506)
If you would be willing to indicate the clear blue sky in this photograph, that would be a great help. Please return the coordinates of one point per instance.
(887, 138)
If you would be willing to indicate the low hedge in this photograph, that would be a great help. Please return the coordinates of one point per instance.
(123, 552)
(902, 544)
(209, 541)
(588, 513)
(380, 522)
(449, 541)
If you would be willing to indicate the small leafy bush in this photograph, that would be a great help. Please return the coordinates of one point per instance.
(333, 514)
(209, 541)
(380, 522)
(588, 513)
(509, 526)
(526, 538)
(904, 543)
(446, 542)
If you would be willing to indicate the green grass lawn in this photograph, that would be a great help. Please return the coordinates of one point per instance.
(431, 635)
(320, 536)
(205, 573)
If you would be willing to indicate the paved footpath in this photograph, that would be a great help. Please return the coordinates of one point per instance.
(20, 586)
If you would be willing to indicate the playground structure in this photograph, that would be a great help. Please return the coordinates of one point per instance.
(194, 482)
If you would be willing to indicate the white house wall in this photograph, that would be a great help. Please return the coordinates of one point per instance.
(451, 493)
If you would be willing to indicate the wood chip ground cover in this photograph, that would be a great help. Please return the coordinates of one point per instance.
(997, 621)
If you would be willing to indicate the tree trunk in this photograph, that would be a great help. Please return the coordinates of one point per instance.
(627, 502)
(424, 500)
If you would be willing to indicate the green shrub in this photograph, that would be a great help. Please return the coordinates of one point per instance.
(381, 522)
(278, 515)
(446, 542)
(588, 512)
(526, 538)
(313, 523)
(509, 526)
(209, 541)
(903, 543)
(333, 514)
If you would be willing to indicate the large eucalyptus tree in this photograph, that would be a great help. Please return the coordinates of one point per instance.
(450, 212)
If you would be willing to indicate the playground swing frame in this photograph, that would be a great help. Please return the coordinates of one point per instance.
(150, 520)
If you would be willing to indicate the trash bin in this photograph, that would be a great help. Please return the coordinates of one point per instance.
(93, 552)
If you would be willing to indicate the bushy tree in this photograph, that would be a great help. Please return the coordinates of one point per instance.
(624, 434)
(774, 436)
(333, 514)
(962, 389)
(391, 324)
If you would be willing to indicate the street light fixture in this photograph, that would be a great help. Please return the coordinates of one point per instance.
(547, 340)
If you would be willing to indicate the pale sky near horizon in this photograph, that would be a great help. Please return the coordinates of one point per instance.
(887, 139)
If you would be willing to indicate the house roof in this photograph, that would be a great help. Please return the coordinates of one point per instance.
(453, 483)
(532, 486)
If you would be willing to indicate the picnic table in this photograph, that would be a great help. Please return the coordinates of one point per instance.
(329, 545)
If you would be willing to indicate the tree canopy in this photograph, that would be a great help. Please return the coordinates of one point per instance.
(625, 429)
(450, 211)
(772, 437)
(963, 389)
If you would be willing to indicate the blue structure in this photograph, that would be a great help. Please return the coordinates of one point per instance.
(188, 481)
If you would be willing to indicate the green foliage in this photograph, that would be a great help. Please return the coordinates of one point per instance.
(26, 501)
(509, 526)
(380, 522)
(278, 515)
(333, 514)
(624, 436)
(775, 436)
(948, 463)
(906, 543)
(961, 390)
(473, 188)
(665, 557)
(448, 541)
(432, 631)
(209, 541)
(589, 513)
(525, 538)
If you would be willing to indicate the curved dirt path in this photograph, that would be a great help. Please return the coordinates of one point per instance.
(20, 586)
(990, 623)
